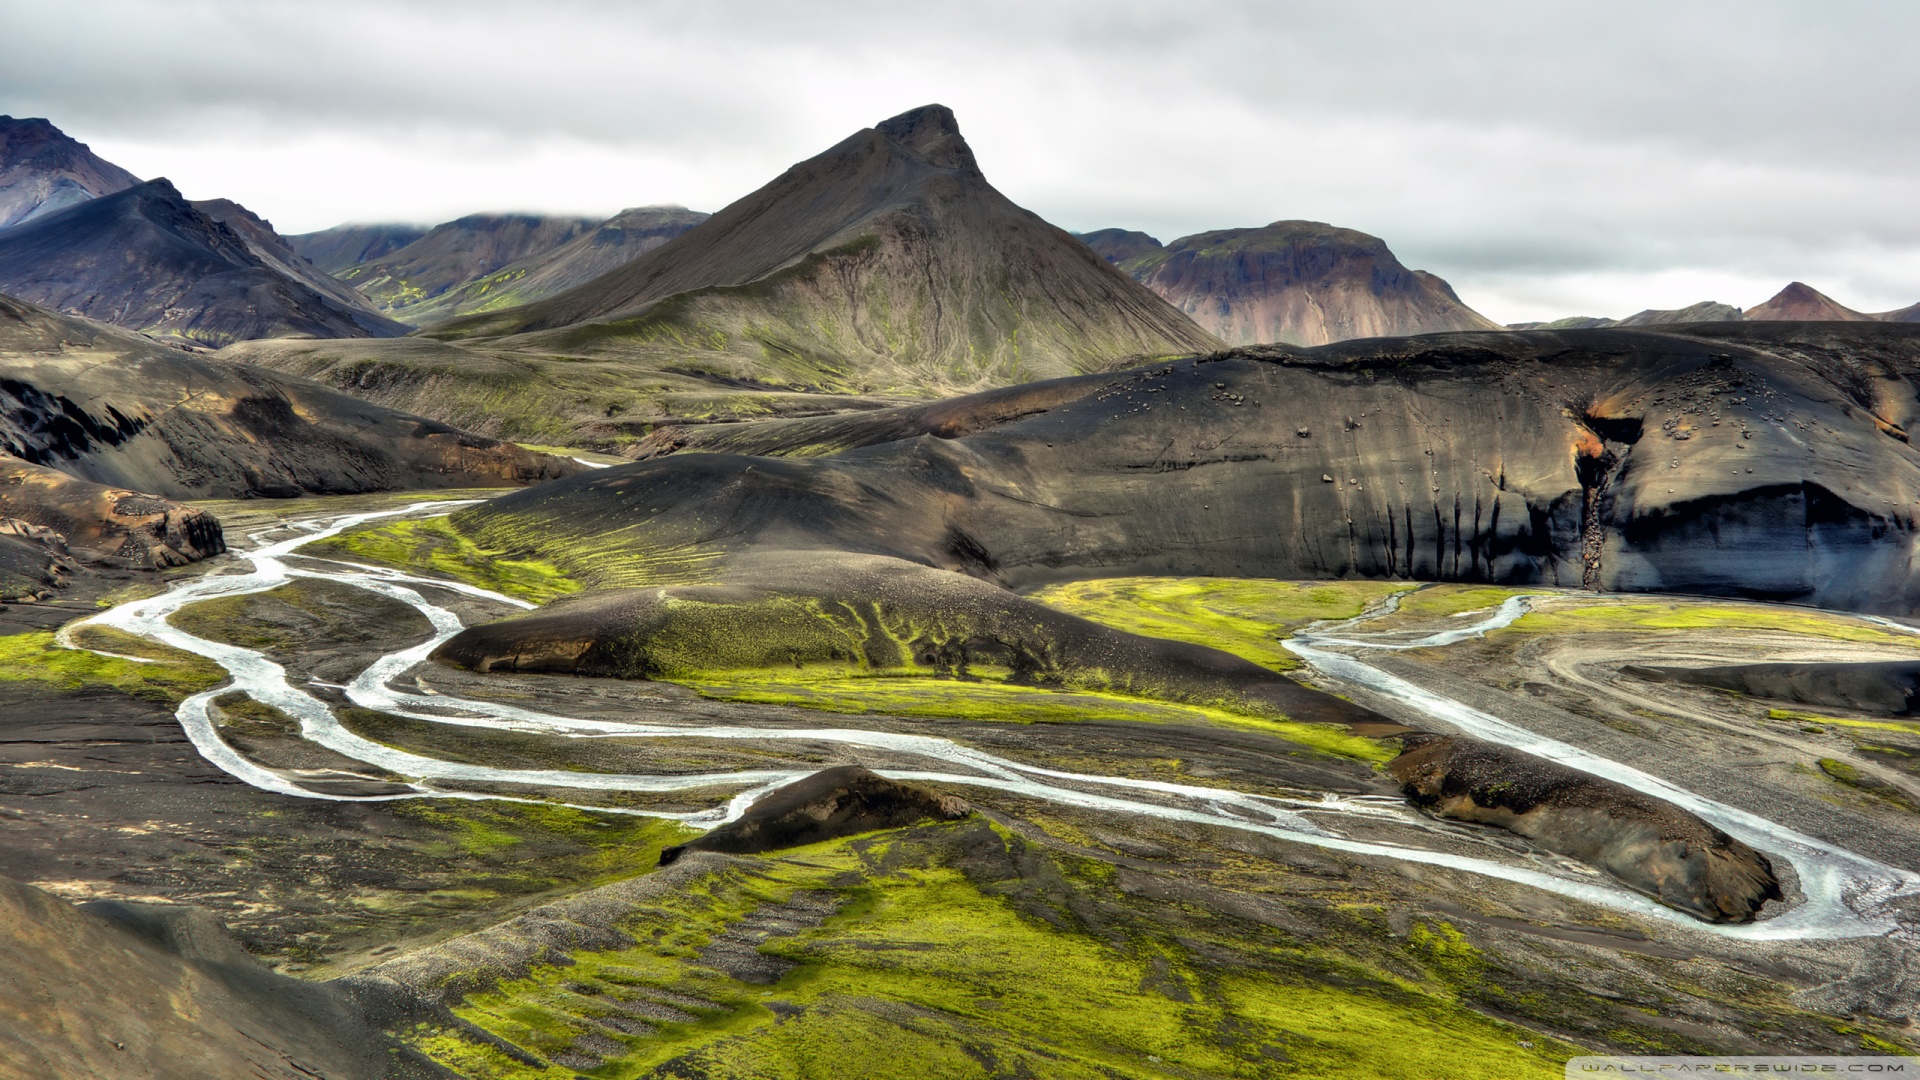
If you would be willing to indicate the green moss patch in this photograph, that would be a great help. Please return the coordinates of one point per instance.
(924, 695)
(1244, 616)
(432, 544)
(168, 676)
(928, 970)
(1604, 616)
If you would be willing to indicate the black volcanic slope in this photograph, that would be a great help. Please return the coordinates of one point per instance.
(1757, 459)
(887, 264)
(43, 170)
(148, 260)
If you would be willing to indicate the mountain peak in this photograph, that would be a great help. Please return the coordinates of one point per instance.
(930, 134)
(1799, 302)
(44, 170)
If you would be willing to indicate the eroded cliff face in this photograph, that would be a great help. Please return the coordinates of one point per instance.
(1744, 459)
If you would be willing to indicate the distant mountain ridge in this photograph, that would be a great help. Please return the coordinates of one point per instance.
(43, 170)
(336, 249)
(887, 263)
(148, 260)
(416, 283)
(1291, 282)
(1798, 302)
(613, 243)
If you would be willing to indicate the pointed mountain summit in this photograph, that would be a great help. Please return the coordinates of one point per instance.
(42, 170)
(1801, 303)
(887, 263)
(148, 260)
(1291, 282)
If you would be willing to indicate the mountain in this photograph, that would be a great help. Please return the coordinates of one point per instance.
(1800, 303)
(615, 242)
(1705, 311)
(1910, 313)
(343, 246)
(1298, 282)
(412, 284)
(886, 264)
(43, 170)
(273, 249)
(1120, 245)
(148, 260)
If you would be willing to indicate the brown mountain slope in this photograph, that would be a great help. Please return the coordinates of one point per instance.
(1295, 282)
(1800, 303)
(413, 284)
(886, 264)
(42, 170)
(148, 260)
(615, 242)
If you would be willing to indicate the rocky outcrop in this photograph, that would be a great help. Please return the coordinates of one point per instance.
(887, 264)
(1648, 844)
(829, 804)
(144, 530)
(147, 260)
(1296, 282)
(43, 170)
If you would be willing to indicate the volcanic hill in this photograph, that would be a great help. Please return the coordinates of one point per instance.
(42, 170)
(1802, 303)
(1291, 282)
(887, 264)
(148, 260)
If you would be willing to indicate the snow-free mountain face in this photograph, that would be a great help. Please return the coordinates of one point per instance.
(146, 259)
(1802, 303)
(1293, 282)
(887, 263)
(414, 284)
(43, 170)
(613, 243)
(344, 246)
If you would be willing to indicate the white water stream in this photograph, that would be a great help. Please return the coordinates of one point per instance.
(1845, 893)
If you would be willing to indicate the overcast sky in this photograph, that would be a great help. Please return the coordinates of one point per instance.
(1547, 158)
